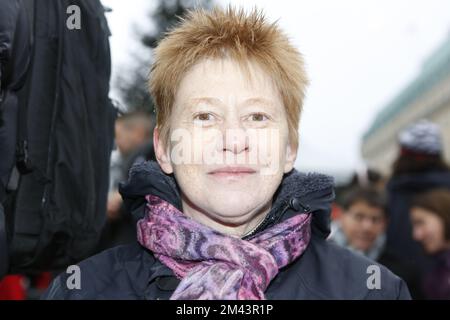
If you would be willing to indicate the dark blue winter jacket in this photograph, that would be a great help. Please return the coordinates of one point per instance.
(324, 271)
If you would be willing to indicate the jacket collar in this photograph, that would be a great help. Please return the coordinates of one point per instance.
(297, 192)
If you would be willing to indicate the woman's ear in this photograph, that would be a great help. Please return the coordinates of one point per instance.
(291, 155)
(161, 152)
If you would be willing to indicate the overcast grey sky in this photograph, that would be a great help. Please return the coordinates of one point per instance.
(359, 55)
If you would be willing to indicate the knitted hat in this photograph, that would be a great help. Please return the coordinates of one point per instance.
(422, 137)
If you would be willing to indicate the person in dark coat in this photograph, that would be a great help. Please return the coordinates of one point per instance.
(15, 56)
(419, 168)
(222, 214)
(15, 48)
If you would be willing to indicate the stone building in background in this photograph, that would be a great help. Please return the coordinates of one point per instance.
(427, 96)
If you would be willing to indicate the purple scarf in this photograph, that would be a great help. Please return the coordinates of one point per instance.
(215, 266)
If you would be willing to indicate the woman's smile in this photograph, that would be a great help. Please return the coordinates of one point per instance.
(232, 173)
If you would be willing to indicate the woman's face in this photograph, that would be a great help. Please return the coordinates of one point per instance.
(428, 229)
(229, 141)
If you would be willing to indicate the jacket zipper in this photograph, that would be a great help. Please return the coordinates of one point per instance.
(273, 218)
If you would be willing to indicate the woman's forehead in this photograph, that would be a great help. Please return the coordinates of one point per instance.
(247, 72)
(213, 81)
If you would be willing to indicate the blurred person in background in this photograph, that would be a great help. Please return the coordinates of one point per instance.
(430, 217)
(14, 60)
(45, 166)
(361, 228)
(419, 167)
(133, 135)
(362, 224)
(133, 139)
(365, 178)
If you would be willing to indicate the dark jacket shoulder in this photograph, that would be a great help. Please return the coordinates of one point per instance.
(324, 271)
(121, 272)
(327, 271)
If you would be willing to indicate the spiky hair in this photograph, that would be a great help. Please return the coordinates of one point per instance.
(235, 34)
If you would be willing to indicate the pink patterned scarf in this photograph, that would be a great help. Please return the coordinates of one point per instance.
(215, 266)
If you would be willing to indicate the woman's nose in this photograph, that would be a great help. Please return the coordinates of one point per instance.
(235, 140)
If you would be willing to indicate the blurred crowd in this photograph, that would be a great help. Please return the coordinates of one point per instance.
(403, 221)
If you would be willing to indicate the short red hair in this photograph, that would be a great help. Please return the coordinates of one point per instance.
(221, 33)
